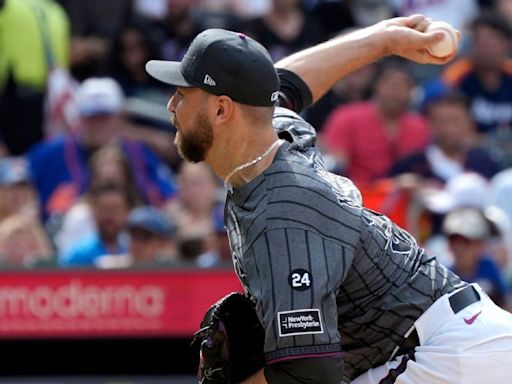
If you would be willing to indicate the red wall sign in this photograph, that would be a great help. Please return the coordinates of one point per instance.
(92, 303)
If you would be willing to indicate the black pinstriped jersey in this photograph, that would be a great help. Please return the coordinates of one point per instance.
(328, 276)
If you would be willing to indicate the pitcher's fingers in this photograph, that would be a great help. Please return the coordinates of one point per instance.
(432, 37)
(415, 20)
(423, 24)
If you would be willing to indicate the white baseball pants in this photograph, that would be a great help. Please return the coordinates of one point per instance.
(473, 346)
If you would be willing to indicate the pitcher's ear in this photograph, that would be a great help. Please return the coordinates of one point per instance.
(224, 107)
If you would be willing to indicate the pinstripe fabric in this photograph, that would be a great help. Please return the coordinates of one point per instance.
(366, 279)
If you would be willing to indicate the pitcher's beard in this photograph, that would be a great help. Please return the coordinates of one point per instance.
(193, 147)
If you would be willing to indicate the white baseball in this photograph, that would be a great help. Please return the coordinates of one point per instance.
(446, 46)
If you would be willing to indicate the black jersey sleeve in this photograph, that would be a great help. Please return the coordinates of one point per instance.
(294, 93)
(326, 370)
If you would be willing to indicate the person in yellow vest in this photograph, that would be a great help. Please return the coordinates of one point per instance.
(34, 38)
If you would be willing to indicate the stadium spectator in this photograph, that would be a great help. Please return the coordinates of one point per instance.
(468, 231)
(151, 241)
(110, 205)
(356, 86)
(17, 194)
(466, 190)
(94, 24)
(152, 236)
(199, 214)
(34, 39)
(108, 165)
(131, 49)
(179, 26)
(454, 148)
(286, 28)
(485, 76)
(59, 166)
(366, 138)
(23, 242)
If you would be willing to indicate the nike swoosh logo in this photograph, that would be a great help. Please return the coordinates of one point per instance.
(472, 319)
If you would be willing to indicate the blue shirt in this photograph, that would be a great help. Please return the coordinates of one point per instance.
(489, 277)
(489, 108)
(85, 252)
(62, 162)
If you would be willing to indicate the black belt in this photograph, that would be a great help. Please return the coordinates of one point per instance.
(458, 302)
(463, 298)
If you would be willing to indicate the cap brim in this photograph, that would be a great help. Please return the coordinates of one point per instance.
(168, 72)
(439, 202)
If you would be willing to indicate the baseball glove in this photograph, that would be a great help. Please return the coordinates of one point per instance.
(230, 341)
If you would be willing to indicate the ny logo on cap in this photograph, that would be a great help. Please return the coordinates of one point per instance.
(209, 81)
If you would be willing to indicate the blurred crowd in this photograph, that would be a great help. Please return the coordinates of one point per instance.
(89, 176)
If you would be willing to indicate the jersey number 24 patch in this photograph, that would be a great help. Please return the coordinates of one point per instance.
(300, 279)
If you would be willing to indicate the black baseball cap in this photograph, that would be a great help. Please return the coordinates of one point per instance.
(223, 62)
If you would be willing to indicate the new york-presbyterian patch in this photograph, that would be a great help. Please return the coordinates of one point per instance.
(299, 322)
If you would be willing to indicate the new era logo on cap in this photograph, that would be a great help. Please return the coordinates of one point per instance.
(209, 81)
